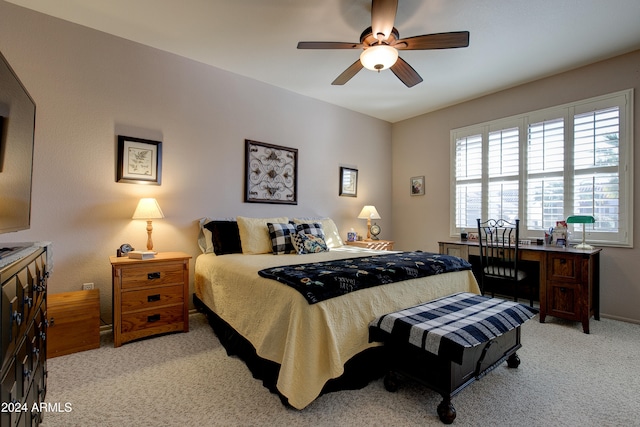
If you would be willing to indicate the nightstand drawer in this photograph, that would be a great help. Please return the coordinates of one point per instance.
(380, 245)
(152, 274)
(153, 318)
(153, 297)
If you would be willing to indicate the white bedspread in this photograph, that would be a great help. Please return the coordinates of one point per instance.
(310, 342)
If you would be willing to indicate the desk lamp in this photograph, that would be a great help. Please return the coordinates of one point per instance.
(369, 212)
(581, 219)
(148, 209)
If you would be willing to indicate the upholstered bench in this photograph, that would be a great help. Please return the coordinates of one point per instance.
(450, 342)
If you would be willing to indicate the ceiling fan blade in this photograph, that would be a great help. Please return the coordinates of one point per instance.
(406, 73)
(348, 73)
(328, 45)
(434, 41)
(383, 16)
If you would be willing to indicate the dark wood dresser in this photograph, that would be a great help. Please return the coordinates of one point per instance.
(23, 356)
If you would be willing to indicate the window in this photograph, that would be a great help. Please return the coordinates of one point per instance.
(575, 159)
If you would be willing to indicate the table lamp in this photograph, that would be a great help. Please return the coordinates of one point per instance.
(149, 209)
(581, 219)
(369, 212)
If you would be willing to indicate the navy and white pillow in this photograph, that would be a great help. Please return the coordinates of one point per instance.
(312, 228)
(280, 234)
(309, 244)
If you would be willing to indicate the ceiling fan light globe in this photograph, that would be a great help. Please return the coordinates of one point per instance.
(379, 57)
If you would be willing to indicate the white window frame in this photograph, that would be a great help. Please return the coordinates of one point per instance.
(621, 99)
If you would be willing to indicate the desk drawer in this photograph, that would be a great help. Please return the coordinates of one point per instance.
(152, 274)
(152, 297)
(563, 267)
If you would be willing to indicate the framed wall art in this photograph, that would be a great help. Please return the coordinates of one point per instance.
(139, 161)
(348, 182)
(417, 186)
(271, 173)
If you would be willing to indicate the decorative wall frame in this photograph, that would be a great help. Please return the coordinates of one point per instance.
(417, 186)
(139, 161)
(271, 173)
(348, 182)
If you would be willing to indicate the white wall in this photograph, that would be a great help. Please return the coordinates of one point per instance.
(90, 87)
(421, 147)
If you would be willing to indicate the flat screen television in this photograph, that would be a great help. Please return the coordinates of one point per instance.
(17, 127)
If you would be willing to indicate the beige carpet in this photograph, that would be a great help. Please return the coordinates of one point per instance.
(566, 378)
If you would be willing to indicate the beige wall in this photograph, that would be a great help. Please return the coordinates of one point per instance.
(90, 87)
(421, 147)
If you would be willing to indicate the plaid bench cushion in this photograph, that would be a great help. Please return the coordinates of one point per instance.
(448, 325)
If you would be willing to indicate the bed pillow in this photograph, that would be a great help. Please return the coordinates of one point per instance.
(310, 228)
(204, 235)
(308, 243)
(280, 234)
(254, 234)
(331, 234)
(225, 237)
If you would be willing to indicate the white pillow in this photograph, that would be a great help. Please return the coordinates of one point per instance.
(204, 237)
(331, 234)
(254, 234)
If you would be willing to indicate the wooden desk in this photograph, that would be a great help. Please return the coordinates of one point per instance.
(569, 278)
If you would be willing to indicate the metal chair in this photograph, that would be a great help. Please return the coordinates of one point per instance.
(499, 243)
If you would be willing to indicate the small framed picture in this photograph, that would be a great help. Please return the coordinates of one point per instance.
(417, 186)
(348, 182)
(139, 161)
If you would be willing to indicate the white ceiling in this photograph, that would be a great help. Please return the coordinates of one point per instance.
(511, 42)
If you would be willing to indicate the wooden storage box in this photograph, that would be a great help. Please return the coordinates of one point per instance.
(74, 322)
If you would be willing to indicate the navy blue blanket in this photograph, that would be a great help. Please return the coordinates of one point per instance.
(320, 281)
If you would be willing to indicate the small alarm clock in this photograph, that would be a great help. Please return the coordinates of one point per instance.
(124, 249)
(375, 230)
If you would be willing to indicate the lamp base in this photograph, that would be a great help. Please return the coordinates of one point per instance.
(583, 246)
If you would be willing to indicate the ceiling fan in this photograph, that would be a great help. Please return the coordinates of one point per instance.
(381, 42)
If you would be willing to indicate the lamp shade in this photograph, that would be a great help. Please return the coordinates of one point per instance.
(369, 212)
(379, 57)
(148, 208)
(581, 219)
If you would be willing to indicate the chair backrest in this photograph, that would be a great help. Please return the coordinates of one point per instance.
(499, 243)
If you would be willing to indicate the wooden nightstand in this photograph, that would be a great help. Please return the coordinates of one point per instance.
(382, 245)
(150, 296)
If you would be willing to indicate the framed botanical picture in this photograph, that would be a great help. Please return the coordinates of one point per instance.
(417, 186)
(348, 182)
(271, 173)
(139, 161)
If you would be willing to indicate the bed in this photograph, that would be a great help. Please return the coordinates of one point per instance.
(307, 344)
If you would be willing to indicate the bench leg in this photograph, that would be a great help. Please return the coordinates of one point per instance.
(446, 410)
(391, 381)
(513, 361)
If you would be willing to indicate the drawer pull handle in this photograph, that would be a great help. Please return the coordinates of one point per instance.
(152, 298)
(152, 276)
(153, 318)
